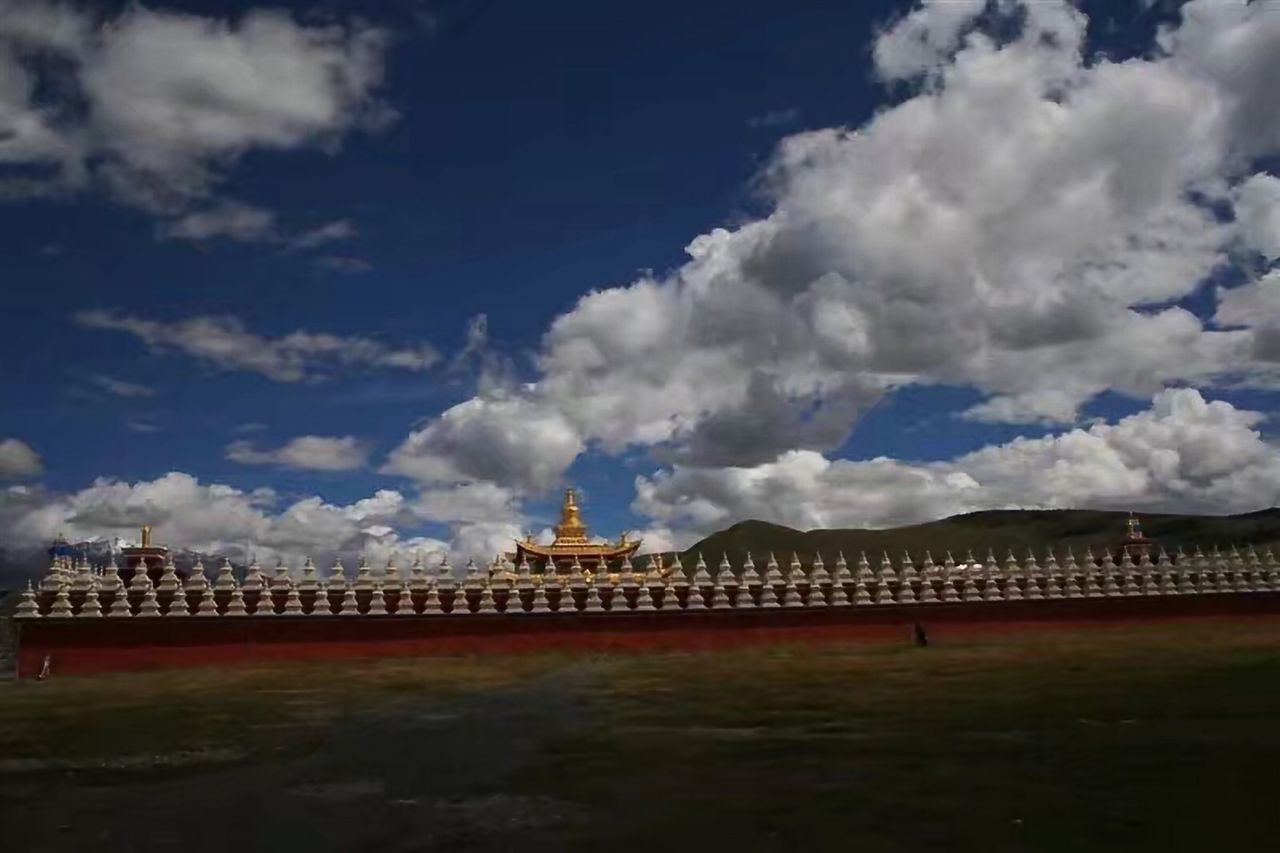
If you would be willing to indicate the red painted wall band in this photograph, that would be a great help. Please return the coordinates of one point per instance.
(82, 646)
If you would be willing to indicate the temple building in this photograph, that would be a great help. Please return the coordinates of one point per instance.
(1134, 542)
(572, 543)
(149, 556)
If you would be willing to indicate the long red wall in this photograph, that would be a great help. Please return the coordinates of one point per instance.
(82, 645)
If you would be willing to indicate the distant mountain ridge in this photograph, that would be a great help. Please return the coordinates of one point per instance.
(998, 530)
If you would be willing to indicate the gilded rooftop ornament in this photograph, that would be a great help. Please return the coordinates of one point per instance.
(573, 543)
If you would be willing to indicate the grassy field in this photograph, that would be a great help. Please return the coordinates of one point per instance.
(1142, 738)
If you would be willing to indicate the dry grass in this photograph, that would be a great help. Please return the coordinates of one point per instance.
(1149, 737)
(247, 708)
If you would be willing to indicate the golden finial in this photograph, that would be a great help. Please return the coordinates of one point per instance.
(570, 526)
(146, 536)
(570, 508)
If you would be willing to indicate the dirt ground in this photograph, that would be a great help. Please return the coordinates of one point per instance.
(1150, 737)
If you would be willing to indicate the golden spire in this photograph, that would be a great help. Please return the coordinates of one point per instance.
(572, 543)
(146, 536)
(570, 527)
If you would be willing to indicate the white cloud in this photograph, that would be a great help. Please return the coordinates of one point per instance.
(1257, 206)
(1183, 454)
(1233, 45)
(660, 538)
(473, 503)
(483, 541)
(1022, 222)
(1256, 307)
(923, 39)
(210, 518)
(341, 229)
(803, 489)
(158, 105)
(234, 220)
(306, 452)
(1256, 304)
(224, 343)
(227, 219)
(121, 388)
(18, 461)
(510, 440)
(217, 519)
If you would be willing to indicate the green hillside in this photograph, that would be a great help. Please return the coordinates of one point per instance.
(978, 531)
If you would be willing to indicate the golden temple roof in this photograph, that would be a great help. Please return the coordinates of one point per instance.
(571, 536)
(593, 549)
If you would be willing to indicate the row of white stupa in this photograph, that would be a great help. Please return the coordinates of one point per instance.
(442, 592)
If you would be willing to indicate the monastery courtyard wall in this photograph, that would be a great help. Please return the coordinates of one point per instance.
(79, 646)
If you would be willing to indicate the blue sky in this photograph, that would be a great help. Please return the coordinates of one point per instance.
(503, 160)
(539, 153)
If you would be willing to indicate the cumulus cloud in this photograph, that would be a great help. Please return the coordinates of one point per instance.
(511, 440)
(157, 105)
(659, 538)
(1255, 306)
(209, 518)
(1257, 208)
(804, 489)
(1183, 454)
(1233, 46)
(306, 452)
(1024, 221)
(224, 343)
(920, 42)
(474, 503)
(212, 518)
(18, 461)
(483, 541)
